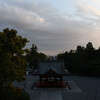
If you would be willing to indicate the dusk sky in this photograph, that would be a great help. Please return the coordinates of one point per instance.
(54, 26)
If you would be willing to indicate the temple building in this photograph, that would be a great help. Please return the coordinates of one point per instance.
(51, 74)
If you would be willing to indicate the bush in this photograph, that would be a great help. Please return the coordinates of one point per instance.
(11, 93)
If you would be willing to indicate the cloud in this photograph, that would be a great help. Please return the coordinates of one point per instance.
(96, 1)
(89, 12)
(47, 27)
(88, 9)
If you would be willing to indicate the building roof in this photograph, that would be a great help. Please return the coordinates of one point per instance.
(45, 66)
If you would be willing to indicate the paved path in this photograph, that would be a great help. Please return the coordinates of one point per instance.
(74, 87)
(82, 88)
(51, 96)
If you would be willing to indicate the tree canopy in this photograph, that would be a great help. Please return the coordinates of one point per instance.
(12, 61)
(82, 61)
(34, 56)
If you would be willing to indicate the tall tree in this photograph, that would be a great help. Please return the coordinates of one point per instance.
(34, 56)
(12, 61)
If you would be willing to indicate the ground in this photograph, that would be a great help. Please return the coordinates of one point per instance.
(82, 88)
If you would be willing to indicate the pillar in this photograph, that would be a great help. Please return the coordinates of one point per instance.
(40, 78)
(61, 78)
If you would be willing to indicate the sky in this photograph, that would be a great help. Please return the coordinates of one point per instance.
(54, 26)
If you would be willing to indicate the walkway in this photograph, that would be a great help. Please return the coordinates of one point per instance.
(51, 96)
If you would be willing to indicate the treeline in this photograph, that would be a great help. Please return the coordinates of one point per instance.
(82, 61)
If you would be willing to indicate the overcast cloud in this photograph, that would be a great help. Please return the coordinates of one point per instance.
(52, 30)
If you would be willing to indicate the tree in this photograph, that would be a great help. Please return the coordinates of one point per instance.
(42, 56)
(10, 93)
(80, 49)
(12, 61)
(82, 61)
(89, 46)
(33, 57)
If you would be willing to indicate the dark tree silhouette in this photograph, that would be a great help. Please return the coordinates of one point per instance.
(34, 56)
(82, 61)
(12, 65)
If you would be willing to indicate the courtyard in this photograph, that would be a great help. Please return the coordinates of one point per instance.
(82, 88)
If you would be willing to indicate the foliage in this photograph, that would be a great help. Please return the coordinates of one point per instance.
(82, 61)
(11, 93)
(12, 63)
(33, 57)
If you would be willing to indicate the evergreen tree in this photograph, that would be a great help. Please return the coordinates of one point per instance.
(82, 61)
(34, 56)
(12, 61)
